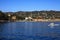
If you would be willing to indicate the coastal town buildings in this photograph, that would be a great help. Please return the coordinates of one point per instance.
(31, 16)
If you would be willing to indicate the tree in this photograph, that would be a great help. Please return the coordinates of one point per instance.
(3, 16)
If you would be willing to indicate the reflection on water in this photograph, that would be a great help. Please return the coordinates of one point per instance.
(29, 31)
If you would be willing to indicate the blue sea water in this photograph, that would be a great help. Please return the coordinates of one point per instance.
(30, 31)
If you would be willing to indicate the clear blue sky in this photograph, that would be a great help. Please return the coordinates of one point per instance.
(29, 5)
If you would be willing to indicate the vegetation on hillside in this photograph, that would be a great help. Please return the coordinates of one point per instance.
(20, 15)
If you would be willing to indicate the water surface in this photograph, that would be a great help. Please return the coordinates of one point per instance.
(29, 31)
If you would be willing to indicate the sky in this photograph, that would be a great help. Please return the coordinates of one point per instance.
(29, 5)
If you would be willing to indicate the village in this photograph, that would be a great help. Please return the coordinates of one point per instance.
(36, 16)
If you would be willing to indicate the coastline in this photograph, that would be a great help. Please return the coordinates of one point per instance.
(41, 20)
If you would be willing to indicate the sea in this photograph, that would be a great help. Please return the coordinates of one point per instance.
(30, 31)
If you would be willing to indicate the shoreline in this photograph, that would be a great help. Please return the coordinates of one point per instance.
(36, 21)
(42, 20)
